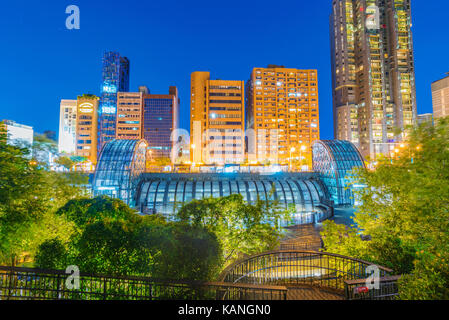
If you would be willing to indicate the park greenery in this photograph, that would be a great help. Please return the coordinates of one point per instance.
(403, 221)
(242, 229)
(48, 220)
(29, 197)
(110, 238)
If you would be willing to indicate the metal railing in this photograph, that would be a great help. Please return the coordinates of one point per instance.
(290, 267)
(388, 289)
(38, 284)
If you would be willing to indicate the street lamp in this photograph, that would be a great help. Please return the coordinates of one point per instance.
(293, 149)
(303, 148)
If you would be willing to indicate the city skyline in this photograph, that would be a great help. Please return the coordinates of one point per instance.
(150, 71)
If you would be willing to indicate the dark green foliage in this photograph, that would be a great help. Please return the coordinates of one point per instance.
(88, 211)
(29, 196)
(188, 252)
(405, 213)
(113, 239)
(51, 255)
(240, 227)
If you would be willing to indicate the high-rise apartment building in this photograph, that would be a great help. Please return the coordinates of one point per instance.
(217, 121)
(282, 115)
(440, 98)
(129, 115)
(373, 72)
(86, 127)
(67, 126)
(160, 119)
(115, 76)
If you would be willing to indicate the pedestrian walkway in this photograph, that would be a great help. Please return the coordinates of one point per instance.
(303, 292)
(302, 237)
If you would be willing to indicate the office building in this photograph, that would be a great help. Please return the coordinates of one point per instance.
(440, 98)
(160, 119)
(67, 126)
(86, 127)
(129, 115)
(115, 77)
(217, 120)
(18, 134)
(282, 116)
(373, 72)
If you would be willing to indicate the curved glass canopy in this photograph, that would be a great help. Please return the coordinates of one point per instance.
(334, 160)
(120, 163)
(166, 194)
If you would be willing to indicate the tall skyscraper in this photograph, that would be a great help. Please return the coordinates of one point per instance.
(440, 98)
(373, 76)
(115, 79)
(160, 119)
(86, 127)
(217, 121)
(282, 115)
(67, 126)
(129, 115)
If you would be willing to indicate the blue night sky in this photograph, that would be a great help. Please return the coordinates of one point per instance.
(43, 62)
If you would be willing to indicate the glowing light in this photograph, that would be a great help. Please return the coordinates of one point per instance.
(108, 110)
(109, 88)
(86, 107)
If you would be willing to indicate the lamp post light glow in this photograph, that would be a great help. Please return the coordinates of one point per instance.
(290, 159)
(303, 148)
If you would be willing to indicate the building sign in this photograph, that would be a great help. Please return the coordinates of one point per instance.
(108, 110)
(372, 18)
(86, 107)
(109, 88)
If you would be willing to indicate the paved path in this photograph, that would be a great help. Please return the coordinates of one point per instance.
(299, 292)
(304, 237)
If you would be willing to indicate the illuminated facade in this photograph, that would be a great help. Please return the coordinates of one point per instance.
(160, 119)
(217, 121)
(115, 77)
(303, 194)
(373, 72)
(67, 126)
(129, 115)
(440, 98)
(120, 174)
(86, 127)
(120, 163)
(334, 160)
(282, 115)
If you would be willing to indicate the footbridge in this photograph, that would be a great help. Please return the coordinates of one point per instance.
(308, 275)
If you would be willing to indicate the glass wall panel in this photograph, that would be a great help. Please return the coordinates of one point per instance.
(334, 161)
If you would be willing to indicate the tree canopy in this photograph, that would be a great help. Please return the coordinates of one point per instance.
(403, 221)
(29, 197)
(240, 227)
(113, 239)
